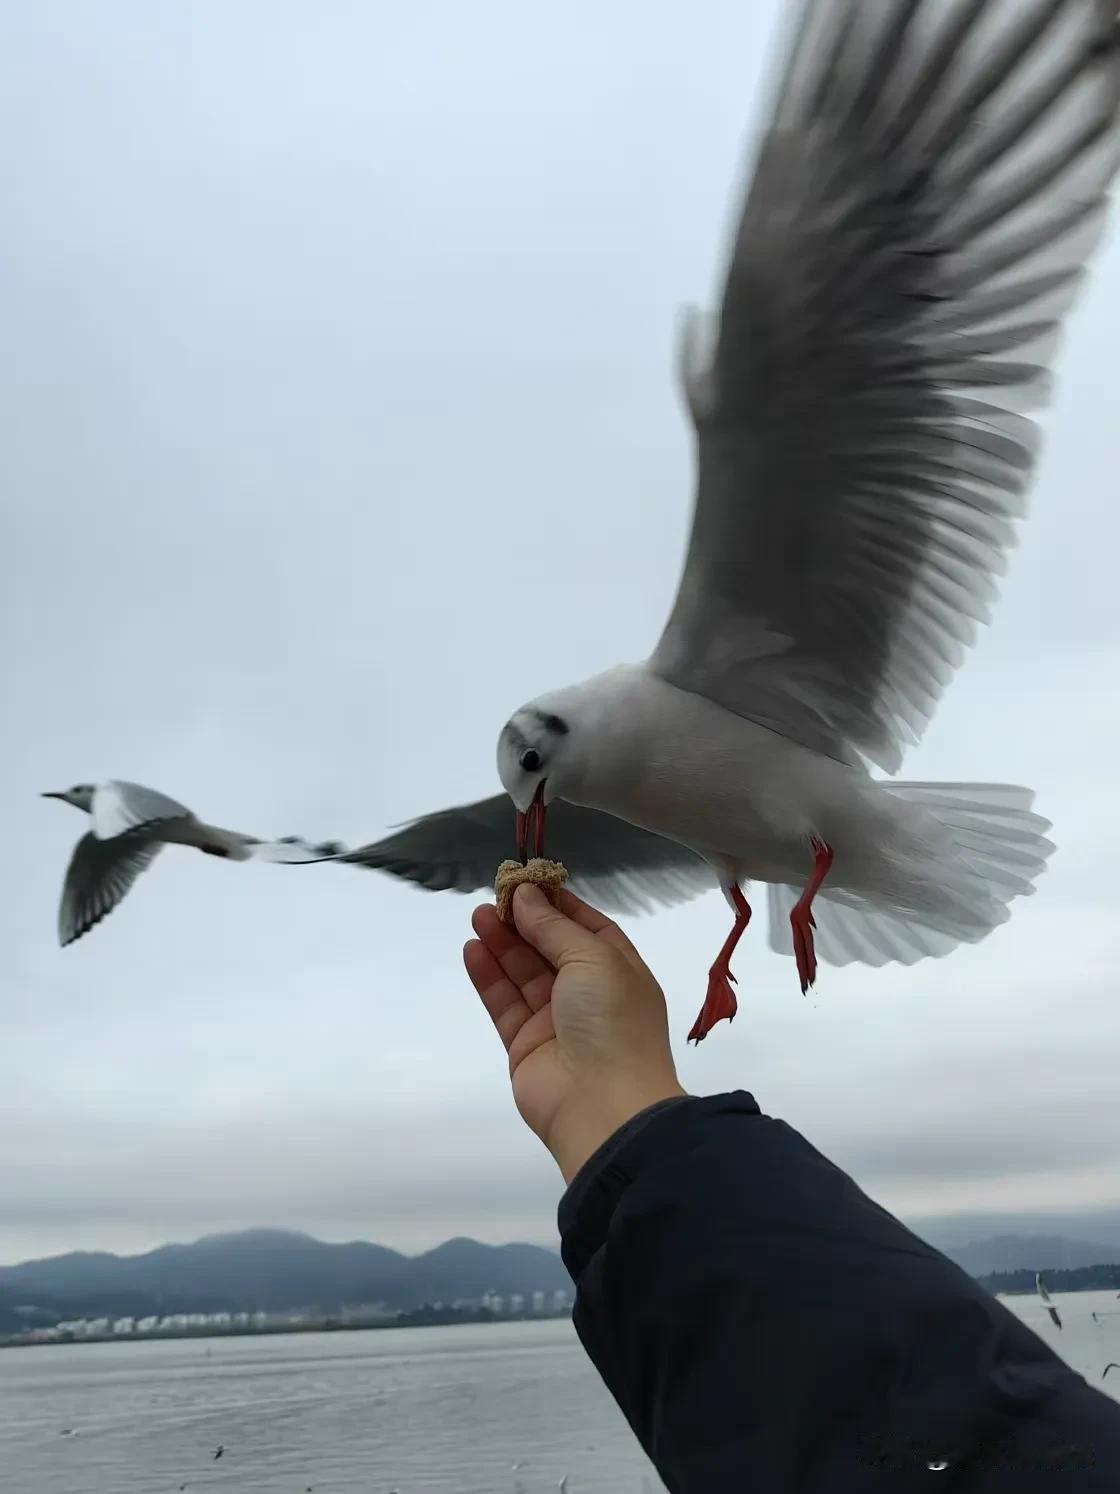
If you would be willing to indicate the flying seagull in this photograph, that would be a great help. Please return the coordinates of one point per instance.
(1107, 1367)
(930, 185)
(130, 825)
(1044, 1296)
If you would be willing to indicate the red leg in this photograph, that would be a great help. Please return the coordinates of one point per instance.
(801, 917)
(720, 1001)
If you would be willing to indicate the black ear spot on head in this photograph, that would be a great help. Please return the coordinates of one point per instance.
(555, 724)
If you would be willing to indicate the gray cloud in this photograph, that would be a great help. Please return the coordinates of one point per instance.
(318, 336)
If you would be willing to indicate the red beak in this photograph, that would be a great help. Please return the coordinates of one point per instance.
(533, 817)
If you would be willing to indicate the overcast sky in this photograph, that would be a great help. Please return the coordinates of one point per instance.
(328, 330)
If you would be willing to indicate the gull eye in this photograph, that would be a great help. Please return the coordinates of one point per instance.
(530, 760)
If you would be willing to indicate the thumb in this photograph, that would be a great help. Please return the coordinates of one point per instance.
(549, 931)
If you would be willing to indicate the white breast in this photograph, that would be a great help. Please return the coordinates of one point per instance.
(684, 767)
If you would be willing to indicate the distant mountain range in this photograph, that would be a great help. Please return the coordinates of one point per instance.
(984, 1243)
(1095, 1229)
(271, 1270)
(274, 1270)
(1030, 1253)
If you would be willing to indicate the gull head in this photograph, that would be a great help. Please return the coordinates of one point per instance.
(81, 796)
(531, 760)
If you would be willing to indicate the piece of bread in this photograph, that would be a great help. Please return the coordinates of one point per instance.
(549, 876)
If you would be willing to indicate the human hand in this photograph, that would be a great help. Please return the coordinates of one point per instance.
(581, 1017)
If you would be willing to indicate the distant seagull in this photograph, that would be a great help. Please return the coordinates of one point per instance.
(929, 187)
(1107, 1367)
(1045, 1297)
(219, 1451)
(130, 825)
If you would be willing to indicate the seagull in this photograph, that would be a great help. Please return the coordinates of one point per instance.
(1107, 1367)
(130, 825)
(1044, 1295)
(930, 185)
(218, 1451)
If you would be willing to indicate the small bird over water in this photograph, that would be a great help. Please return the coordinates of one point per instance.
(131, 825)
(933, 178)
(1044, 1297)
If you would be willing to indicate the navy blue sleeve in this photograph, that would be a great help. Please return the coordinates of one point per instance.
(768, 1329)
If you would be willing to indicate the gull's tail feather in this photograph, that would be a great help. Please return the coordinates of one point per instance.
(855, 931)
(997, 849)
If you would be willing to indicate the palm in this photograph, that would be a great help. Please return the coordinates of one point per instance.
(526, 1000)
(585, 1028)
(540, 1079)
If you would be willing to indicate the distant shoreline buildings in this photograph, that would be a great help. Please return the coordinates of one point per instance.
(491, 1307)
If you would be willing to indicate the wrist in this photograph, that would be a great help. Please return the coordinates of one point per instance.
(592, 1116)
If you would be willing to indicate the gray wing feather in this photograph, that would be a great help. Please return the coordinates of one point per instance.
(613, 864)
(932, 182)
(119, 806)
(98, 877)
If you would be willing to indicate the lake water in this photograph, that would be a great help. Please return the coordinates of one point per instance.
(419, 1411)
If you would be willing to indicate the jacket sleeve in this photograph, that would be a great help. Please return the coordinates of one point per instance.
(766, 1327)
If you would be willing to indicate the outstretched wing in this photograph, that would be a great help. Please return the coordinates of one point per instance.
(98, 877)
(119, 806)
(613, 864)
(931, 184)
(293, 850)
